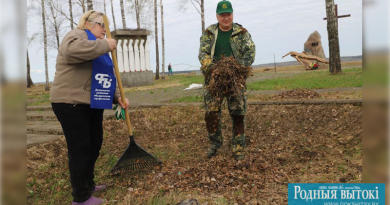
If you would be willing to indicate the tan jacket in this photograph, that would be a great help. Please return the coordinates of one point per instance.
(72, 80)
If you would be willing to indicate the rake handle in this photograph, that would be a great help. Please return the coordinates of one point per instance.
(117, 74)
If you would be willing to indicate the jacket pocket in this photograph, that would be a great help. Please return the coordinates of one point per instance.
(88, 83)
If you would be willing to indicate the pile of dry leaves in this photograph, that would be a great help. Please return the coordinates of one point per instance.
(228, 78)
(285, 144)
(297, 94)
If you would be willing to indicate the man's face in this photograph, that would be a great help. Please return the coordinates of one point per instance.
(225, 21)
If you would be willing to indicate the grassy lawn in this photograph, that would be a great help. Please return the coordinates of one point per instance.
(37, 95)
(196, 98)
(351, 77)
(188, 79)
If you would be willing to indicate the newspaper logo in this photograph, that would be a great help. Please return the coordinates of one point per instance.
(104, 80)
(336, 193)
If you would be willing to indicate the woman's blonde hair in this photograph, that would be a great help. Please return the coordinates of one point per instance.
(90, 16)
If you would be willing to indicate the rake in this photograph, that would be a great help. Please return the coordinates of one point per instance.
(134, 158)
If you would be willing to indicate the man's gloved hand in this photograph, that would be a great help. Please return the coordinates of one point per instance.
(207, 61)
(119, 112)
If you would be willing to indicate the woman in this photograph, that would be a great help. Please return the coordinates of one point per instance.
(82, 63)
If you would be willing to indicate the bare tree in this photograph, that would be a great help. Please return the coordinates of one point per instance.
(162, 40)
(62, 14)
(70, 14)
(81, 3)
(29, 41)
(3, 79)
(138, 8)
(45, 44)
(137, 11)
(198, 5)
(89, 5)
(123, 14)
(104, 2)
(202, 14)
(29, 80)
(333, 38)
(55, 24)
(113, 16)
(156, 39)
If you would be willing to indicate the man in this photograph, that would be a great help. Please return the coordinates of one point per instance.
(228, 39)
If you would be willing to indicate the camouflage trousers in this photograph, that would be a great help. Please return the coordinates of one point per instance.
(237, 106)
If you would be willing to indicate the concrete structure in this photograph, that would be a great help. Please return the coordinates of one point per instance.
(140, 78)
(119, 53)
(133, 57)
(126, 64)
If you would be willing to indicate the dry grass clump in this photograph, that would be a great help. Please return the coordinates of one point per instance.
(228, 78)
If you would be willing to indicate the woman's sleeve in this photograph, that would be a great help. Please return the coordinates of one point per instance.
(76, 48)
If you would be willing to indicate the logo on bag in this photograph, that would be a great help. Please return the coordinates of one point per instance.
(104, 80)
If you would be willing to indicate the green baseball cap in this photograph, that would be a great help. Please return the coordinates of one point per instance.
(224, 7)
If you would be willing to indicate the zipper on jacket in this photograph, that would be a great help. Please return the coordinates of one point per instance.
(86, 84)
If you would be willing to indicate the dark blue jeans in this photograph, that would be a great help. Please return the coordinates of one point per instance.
(83, 130)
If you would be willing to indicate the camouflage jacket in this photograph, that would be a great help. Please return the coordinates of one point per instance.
(241, 42)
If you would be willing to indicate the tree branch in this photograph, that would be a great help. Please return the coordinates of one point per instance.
(195, 6)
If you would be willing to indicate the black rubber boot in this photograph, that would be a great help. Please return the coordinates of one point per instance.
(211, 152)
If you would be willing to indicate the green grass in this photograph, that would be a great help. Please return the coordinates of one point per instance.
(186, 79)
(188, 99)
(351, 77)
(312, 80)
(42, 98)
(190, 79)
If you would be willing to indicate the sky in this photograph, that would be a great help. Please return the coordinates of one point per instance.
(277, 27)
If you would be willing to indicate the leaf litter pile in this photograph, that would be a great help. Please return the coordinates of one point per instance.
(228, 78)
(285, 144)
(297, 94)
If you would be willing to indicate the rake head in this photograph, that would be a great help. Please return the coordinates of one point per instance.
(135, 159)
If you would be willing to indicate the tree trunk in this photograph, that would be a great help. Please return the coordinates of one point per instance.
(45, 45)
(29, 80)
(200, 10)
(113, 16)
(137, 11)
(71, 14)
(333, 38)
(83, 5)
(104, 3)
(3, 79)
(55, 23)
(162, 40)
(202, 14)
(123, 14)
(89, 5)
(156, 39)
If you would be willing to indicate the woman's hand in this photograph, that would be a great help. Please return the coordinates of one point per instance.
(111, 43)
(126, 105)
